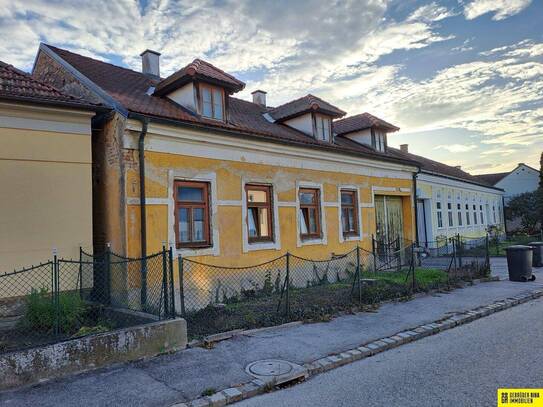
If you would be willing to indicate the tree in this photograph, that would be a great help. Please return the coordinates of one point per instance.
(527, 207)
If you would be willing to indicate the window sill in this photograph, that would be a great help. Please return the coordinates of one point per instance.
(266, 245)
(197, 251)
(351, 238)
(312, 241)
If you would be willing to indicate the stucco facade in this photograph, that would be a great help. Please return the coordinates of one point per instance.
(449, 198)
(46, 178)
(228, 163)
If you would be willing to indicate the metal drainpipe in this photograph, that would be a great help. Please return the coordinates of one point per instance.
(143, 222)
(416, 209)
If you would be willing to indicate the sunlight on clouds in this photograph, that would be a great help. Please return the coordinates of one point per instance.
(501, 8)
(456, 148)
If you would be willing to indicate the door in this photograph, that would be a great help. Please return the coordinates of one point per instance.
(421, 222)
(388, 219)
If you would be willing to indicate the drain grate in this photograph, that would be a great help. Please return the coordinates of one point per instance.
(276, 371)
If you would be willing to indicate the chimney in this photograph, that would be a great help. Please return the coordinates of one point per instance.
(150, 63)
(404, 148)
(259, 97)
(458, 167)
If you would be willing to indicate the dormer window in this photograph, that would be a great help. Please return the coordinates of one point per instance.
(379, 140)
(212, 102)
(323, 127)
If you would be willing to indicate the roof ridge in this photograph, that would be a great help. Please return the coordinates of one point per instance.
(95, 60)
(218, 69)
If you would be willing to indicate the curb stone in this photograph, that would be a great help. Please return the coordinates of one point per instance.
(256, 386)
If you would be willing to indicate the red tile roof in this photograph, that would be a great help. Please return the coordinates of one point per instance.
(435, 167)
(202, 70)
(18, 85)
(245, 119)
(303, 105)
(360, 122)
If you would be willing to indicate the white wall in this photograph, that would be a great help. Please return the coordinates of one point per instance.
(433, 189)
(185, 96)
(521, 179)
(361, 137)
(303, 123)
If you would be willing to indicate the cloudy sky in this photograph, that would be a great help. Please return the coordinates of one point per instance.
(462, 78)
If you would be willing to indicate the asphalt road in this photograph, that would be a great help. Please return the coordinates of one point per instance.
(459, 367)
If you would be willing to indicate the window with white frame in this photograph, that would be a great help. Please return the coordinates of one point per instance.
(310, 213)
(259, 213)
(322, 127)
(439, 215)
(349, 213)
(468, 221)
(474, 214)
(450, 214)
(459, 213)
(494, 213)
(481, 214)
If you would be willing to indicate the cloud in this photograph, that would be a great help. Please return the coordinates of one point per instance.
(501, 8)
(456, 148)
(431, 12)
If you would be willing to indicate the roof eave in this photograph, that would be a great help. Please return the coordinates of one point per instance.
(438, 174)
(55, 103)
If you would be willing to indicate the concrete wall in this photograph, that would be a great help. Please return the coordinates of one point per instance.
(45, 173)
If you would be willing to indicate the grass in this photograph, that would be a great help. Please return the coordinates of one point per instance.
(311, 304)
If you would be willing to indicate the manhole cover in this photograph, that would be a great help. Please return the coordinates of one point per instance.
(274, 370)
(270, 368)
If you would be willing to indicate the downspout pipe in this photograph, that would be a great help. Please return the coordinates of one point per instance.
(143, 221)
(416, 209)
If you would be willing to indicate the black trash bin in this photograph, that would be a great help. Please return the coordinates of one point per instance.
(537, 258)
(519, 263)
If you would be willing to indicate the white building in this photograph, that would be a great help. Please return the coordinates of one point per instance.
(521, 179)
(451, 201)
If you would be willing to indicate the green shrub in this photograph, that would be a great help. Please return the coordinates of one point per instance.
(41, 313)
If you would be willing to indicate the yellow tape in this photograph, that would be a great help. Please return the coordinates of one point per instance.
(520, 397)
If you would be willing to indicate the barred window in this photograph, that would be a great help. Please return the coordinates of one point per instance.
(259, 213)
(192, 214)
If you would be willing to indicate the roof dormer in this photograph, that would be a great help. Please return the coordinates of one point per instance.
(365, 129)
(310, 115)
(202, 88)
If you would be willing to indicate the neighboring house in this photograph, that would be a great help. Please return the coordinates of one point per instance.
(45, 172)
(227, 181)
(451, 201)
(521, 179)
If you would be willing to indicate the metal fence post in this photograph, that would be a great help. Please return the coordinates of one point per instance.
(487, 254)
(413, 278)
(164, 280)
(107, 281)
(359, 273)
(181, 285)
(170, 269)
(56, 302)
(374, 254)
(80, 272)
(287, 294)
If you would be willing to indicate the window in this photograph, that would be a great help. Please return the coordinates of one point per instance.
(212, 102)
(481, 214)
(439, 215)
(349, 213)
(459, 213)
(310, 225)
(192, 214)
(474, 214)
(378, 140)
(494, 213)
(259, 213)
(450, 214)
(322, 125)
(468, 222)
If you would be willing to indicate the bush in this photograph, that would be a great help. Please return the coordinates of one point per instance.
(41, 313)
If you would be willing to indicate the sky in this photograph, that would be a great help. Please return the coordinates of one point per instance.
(463, 79)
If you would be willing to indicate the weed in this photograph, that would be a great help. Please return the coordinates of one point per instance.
(208, 392)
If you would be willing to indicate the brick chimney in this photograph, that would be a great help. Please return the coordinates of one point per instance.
(150, 63)
(259, 97)
(404, 148)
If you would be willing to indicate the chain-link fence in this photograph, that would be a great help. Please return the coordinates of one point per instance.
(64, 299)
(498, 243)
(215, 298)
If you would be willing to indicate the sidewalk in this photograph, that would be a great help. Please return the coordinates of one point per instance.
(183, 376)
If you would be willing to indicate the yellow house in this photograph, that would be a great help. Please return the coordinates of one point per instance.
(182, 162)
(45, 171)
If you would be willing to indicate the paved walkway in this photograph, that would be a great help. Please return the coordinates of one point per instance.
(463, 366)
(184, 375)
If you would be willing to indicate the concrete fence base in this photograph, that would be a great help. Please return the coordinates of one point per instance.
(31, 366)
